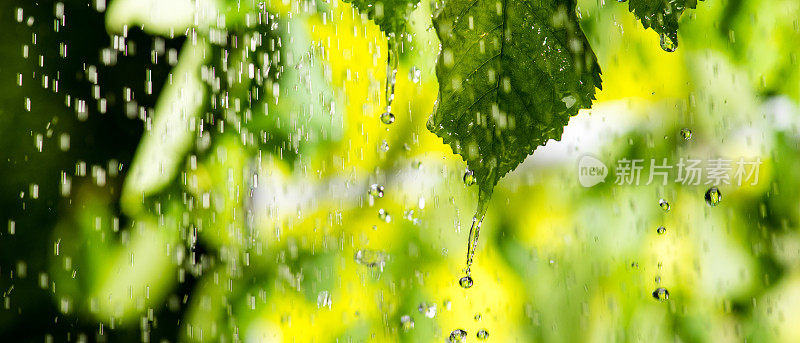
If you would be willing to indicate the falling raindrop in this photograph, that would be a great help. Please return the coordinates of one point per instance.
(387, 118)
(392, 61)
(483, 334)
(384, 215)
(429, 310)
(477, 317)
(469, 178)
(661, 230)
(686, 133)
(465, 282)
(371, 258)
(664, 205)
(669, 42)
(661, 293)
(375, 190)
(414, 74)
(324, 299)
(407, 322)
(458, 336)
(713, 196)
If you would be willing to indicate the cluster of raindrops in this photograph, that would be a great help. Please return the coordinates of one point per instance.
(324, 299)
(384, 216)
(661, 293)
(460, 335)
(375, 190)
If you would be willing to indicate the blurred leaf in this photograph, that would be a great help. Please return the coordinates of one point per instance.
(162, 148)
(161, 17)
(509, 80)
(141, 271)
(662, 16)
(389, 15)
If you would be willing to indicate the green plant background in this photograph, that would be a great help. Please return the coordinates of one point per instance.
(219, 206)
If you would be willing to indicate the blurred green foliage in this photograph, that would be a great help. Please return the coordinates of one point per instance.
(229, 201)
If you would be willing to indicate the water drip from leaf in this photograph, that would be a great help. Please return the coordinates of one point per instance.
(392, 61)
(669, 42)
(474, 233)
(387, 118)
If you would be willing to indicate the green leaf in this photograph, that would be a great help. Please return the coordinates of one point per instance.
(164, 146)
(389, 15)
(511, 74)
(662, 16)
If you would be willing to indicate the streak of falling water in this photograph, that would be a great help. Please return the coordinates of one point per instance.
(392, 62)
(474, 233)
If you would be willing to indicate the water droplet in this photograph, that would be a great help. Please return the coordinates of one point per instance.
(469, 178)
(371, 258)
(669, 42)
(414, 74)
(409, 215)
(661, 230)
(658, 279)
(661, 293)
(713, 196)
(635, 265)
(458, 336)
(407, 322)
(384, 146)
(483, 334)
(477, 317)
(384, 215)
(429, 310)
(465, 282)
(686, 133)
(387, 118)
(324, 299)
(375, 190)
(447, 304)
(664, 204)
